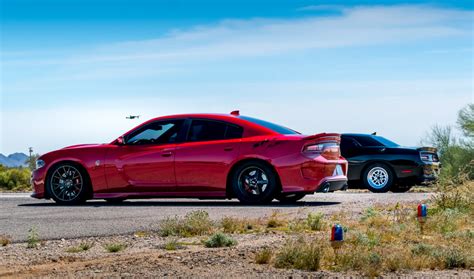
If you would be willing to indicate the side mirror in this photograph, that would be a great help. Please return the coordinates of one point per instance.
(120, 140)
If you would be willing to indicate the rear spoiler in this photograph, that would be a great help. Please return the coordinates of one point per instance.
(427, 148)
(324, 137)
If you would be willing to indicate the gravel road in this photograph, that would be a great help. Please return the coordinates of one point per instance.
(19, 212)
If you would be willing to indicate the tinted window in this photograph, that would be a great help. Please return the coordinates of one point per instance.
(234, 132)
(274, 127)
(206, 130)
(367, 141)
(386, 142)
(156, 133)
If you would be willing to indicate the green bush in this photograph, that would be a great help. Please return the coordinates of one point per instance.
(315, 221)
(115, 247)
(15, 179)
(32, 239)
(219, 240)
(80, 248)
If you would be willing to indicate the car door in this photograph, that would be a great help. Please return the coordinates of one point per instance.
(204, 159)
(145, 162)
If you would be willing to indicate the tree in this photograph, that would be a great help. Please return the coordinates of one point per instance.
(32, 161)
(466, 120)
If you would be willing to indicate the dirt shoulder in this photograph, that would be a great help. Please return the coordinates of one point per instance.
(146, 257)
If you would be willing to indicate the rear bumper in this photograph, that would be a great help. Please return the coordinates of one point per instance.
(333, 184)
(314, 175)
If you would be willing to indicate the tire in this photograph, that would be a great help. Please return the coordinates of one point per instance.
(400, 189)
(254, 183)
(378, 178)
(115, 200)
(291, 198)
(68, 184)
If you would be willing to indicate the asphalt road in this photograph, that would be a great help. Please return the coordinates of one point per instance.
(19, 212)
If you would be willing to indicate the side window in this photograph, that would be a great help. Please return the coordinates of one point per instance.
(206, 130)
(347, 144)
(367, 141)
(234, 132)
(160, 132)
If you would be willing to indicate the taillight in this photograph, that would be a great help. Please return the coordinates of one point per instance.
(331, 149)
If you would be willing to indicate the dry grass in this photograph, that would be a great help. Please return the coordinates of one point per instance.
(300, 254)
(263, 256)
(240, 225)
(172, 245)
(193, 224)
(5, 240)
(390, 239)
(85, 246)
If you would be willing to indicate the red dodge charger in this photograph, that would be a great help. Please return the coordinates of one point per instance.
(195, 156)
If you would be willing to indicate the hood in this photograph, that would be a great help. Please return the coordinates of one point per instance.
(83, 146)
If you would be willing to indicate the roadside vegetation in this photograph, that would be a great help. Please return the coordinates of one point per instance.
(115, 247)
(33, 239)
(84, 246)
(14, 179)
(17, 179)
(5, 240)
(455, 145)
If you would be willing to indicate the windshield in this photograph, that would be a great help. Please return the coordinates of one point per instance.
(274, 127)
(385, 142)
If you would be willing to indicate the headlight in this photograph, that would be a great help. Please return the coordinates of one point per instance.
(39, 164)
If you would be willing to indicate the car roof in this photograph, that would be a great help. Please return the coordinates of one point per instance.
(252, 128)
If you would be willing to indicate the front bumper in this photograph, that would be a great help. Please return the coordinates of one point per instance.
(38, 182)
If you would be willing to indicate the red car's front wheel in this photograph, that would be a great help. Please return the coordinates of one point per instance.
(67, 184)
(254, 183)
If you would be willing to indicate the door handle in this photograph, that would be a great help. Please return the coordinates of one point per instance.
(230, 148)
(167, 154)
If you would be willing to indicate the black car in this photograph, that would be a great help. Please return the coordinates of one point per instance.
(381, 165)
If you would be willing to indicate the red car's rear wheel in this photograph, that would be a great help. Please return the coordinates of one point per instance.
(254, 183)
(67, 184)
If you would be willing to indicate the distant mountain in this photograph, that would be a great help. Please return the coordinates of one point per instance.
(14, 160)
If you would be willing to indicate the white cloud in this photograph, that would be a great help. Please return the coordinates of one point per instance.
(230, 39)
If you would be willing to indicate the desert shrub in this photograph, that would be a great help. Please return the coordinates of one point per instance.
(84, 246)
(194, 223)
(300, 254)
(172, 245)
(15, 179)
(32, 239)
(456, 152)
(263, 256)
(219, 240)
(115, 247)
(315, 221)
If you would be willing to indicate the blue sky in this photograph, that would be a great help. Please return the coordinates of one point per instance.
(72, 70)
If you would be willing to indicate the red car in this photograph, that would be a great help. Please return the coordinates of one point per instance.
(195, 156)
